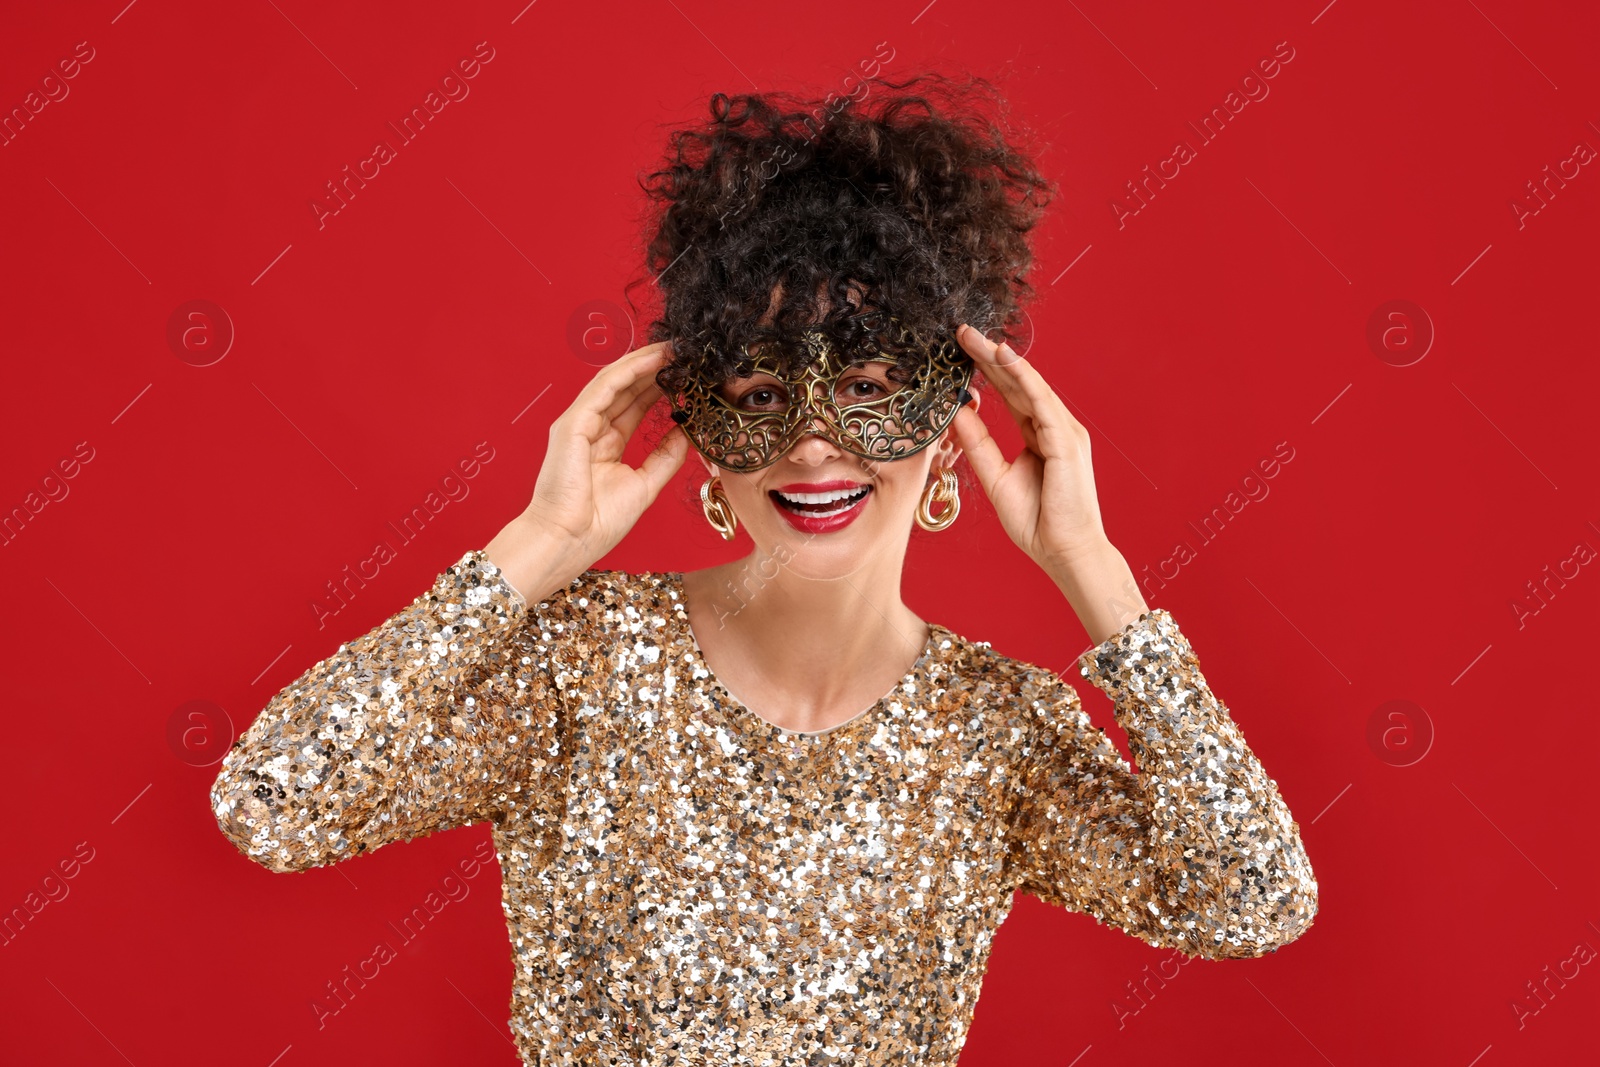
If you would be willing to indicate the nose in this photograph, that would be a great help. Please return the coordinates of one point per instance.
(813, 446)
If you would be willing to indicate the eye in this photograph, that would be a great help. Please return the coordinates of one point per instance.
(861, 389)
(866, 382)
(762, 398)
(758, 397)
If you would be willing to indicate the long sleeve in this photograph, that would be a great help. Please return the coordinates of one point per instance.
(1196, 852)
(444, 714)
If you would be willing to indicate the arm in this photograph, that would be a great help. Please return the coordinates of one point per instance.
(1196, 852)
(442, 715)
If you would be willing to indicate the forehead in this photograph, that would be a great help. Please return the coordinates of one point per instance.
(781, 363)
(817, 343)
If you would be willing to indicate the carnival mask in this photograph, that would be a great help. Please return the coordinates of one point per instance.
(741, 425)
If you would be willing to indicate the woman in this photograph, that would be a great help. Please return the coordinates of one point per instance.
(764, 812)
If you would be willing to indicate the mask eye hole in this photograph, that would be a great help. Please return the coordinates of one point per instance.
(755, 393)
(862, 383)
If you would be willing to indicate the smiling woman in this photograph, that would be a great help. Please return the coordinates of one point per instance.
(788, 833)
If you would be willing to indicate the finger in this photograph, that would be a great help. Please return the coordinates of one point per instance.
(974, 341)
(1050, 428)
(645, 385)
(612, 443)
(1017, 380)
(663, 462)
(989, 359)
(609, 394)
(1021, 417)
(629, 420)
(999, 371)
(1056, 427)
(982, 450)
(602, 390)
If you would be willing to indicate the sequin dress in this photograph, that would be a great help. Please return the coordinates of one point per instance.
(687, 883)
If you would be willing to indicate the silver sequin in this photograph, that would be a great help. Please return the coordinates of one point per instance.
(687, 882)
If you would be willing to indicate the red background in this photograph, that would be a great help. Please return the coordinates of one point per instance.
(1226, 317)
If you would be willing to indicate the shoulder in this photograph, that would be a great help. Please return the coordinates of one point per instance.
(1145, 646)
(1024, 710)
(991, 679)
(603, 610)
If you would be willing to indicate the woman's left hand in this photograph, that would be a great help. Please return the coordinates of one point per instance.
(1045, 498)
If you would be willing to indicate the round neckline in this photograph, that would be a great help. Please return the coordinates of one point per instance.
(738, 710)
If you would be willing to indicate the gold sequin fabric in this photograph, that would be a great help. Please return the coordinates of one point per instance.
(687, 883)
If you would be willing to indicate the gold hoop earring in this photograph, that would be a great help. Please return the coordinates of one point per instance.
(944, 488)
(719, 512)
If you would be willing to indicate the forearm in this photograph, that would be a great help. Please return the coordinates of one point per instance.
(1230, 852)
(388, 737)
(1101, 588)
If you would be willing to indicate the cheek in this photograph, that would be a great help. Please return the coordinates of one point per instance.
(901, 485)
(742, 490)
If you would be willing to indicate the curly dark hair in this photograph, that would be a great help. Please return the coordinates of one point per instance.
(902, 199)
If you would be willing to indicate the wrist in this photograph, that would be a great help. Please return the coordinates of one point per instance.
(1100, 586)
(1071, 562)
(533, 559)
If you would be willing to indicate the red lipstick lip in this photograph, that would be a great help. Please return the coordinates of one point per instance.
(820, 487)
(810, 524)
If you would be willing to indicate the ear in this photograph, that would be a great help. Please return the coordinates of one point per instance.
(948, 450)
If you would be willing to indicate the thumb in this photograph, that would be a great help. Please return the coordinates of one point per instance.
(663, 462)
(982, 451)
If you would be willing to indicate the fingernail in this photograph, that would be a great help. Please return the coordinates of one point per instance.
(966, 398)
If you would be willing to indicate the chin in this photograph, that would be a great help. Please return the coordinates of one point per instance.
(828, 567)
(827, 557)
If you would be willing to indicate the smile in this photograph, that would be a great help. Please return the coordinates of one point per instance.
(820, 512)
(821, 505)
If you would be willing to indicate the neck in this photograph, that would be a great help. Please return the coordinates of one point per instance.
(800, 648)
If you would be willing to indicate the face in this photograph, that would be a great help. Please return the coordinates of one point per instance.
(821, 509)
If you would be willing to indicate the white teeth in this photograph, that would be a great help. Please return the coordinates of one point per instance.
(822, 498)
(840, 510)
(845, 498)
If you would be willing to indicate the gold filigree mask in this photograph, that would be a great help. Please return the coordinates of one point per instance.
(744, 425)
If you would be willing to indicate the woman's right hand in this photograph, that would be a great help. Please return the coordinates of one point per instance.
(586, 499)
